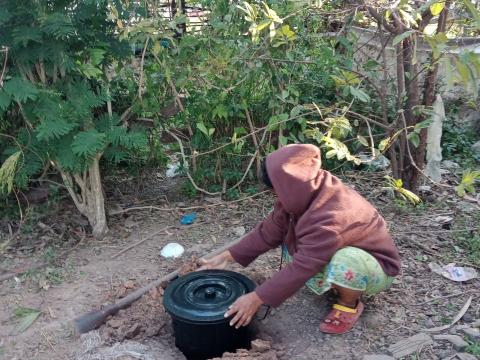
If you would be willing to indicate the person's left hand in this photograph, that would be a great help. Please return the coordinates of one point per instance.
(244, 309)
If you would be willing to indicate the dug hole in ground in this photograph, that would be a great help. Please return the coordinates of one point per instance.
(89, 276)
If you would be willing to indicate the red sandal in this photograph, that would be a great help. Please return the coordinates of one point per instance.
(341, 319)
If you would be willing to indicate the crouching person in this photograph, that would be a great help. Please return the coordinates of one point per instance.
(331, 238)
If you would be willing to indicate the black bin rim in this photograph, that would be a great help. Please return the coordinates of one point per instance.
(203, 297)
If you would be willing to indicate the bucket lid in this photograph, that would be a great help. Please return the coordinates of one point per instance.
(204, 296)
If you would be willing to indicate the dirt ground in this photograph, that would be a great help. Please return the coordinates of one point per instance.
(82, 275)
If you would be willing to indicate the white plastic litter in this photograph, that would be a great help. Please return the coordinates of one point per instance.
(443, 219)
(172, 250)
(380, 162)
(172, 169)
(454, 273)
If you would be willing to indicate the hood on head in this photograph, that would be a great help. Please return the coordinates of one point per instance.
(295, 173)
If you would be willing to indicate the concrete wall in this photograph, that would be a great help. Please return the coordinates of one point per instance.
(369, 46)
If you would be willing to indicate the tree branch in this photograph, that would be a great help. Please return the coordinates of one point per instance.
(254, 139)
(4, 68)
(380, 20)
(426, 17)
(379, 124)
(82, 184)
(182, 151)
(67, 179)
(140, 81)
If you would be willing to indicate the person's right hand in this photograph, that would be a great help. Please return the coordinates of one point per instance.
(217, 262)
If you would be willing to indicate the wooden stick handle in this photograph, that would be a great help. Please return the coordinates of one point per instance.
(93, 319)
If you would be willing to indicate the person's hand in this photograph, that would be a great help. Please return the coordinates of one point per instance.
(244, 309)
(217, 262)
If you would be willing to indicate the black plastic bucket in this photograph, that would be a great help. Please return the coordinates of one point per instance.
(197, 303)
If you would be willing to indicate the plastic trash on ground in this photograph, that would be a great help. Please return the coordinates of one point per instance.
(172, 169)
(454, 273)
(172, 250)
(380, 162)
(188, 219)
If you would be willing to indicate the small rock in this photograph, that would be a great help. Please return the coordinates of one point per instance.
(114, 323)
(129, 284)
(466, 356)
(446, 354)
(410, 345)
(449, 164)
(213, 200)
(239, 231)
(153, 330)
(472, 333)
(261, 346)
(425, 188)
(443, 219)
(457, 341)
(377, 357)
(133, 331)
(476, 324)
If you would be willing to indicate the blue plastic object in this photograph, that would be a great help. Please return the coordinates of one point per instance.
(188, 219)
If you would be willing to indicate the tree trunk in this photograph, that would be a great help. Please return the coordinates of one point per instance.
(392, 152)
(410, 174)
(183, 26)
(96, 202)
(173, 9)
(430, 85)
(416, 160)
(400, 101)
(89, 198)
(408, 161)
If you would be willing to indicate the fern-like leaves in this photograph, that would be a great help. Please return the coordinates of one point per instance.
(58, 26)
(53, 128)
(88, 143)
(53, 124)
(5, 100)
(21, 90)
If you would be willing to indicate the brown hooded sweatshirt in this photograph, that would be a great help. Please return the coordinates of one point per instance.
(315, 215)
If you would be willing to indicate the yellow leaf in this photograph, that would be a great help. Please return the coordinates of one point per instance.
(437, 8)
(383, 144)
(156, 47)
(285, 30)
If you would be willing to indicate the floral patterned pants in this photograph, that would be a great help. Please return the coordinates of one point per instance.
(351, 268)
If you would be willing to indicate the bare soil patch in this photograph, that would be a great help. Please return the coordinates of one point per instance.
(87, 277)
